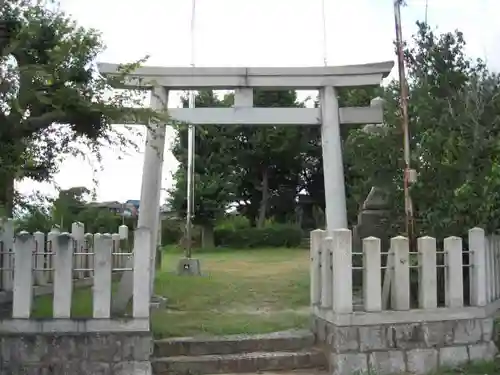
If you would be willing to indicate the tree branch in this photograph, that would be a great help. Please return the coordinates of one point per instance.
(36, 123)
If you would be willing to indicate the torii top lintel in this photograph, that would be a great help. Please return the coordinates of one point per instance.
(185, 78)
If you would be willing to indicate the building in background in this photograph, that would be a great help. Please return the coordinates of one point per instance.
(130, 208)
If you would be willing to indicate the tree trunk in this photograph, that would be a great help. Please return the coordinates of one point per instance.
(265, 199)
(207, 236)
(7, 195)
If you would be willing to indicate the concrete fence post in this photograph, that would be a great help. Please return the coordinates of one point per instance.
(24, 246)
(477, 254)
(372, 275)
(400, 296)
(342, 271)
(317, 238)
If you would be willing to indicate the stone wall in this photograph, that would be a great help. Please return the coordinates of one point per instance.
(76, 354)
(417, 348)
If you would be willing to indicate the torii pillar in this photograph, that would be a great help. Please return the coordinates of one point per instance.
(333, 167)
(149, 209)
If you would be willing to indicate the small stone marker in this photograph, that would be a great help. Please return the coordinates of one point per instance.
(189, 267)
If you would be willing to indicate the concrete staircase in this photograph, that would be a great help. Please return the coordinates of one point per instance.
(279, 351)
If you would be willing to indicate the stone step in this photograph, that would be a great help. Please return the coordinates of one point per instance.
(238, 363)
(309, 371)
(193, 346)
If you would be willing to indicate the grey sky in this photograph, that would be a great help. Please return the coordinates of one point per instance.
(254, 33)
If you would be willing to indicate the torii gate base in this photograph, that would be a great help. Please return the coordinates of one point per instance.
(244, 80)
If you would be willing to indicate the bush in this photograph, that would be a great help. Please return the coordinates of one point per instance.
(233, 222)
(276, 235)
(171, 231)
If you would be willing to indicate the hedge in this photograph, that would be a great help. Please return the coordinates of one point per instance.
(278, 235)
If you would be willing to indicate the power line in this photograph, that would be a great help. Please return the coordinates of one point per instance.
(426, 10)
(325, 45)
(192, 33)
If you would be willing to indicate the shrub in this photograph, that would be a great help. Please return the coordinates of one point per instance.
(171, 231)
(276, 235)
(233, 222)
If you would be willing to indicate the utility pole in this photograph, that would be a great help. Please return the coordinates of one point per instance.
(409, 175)
(191, 142)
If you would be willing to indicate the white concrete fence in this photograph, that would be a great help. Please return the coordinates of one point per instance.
(43, 257)
(386, 280)
(60, 259)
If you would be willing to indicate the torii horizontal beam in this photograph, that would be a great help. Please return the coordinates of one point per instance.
(185, 78)
(273, 116)
(269, 116)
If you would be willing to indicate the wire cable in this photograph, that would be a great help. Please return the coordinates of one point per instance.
(325, 42)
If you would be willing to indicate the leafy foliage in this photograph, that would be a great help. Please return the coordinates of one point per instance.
(454, 127)
(68, 206)
(255, 168)
(52, 100)
(214, 187)
(71, 205)
(276, 235)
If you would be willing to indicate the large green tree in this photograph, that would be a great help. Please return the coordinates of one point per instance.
(52, 100)
(255, 168)
(454, 126)
(68, 206)
(214, 182)
(269, 160)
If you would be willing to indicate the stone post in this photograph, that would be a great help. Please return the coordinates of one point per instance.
(400, 298)
(342, 271)
(326, 272)
(102, 276)
(78, 234)
(63, 268)
(454, 282)
(23, 275)
(478, 280)
(317, 239)
(427, 284)
(372, 275)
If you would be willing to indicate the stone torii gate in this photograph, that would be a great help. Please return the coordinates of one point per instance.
(244, 80)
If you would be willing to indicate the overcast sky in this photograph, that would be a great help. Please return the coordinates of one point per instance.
(253, 33)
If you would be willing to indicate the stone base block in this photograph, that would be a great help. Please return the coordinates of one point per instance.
(133, 368)
(416, 348)
(76, 354)
(348, 363)
(483, 352)
(189, 267)
(387, 362)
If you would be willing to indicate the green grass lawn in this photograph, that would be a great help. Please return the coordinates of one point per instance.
(241, 291)
(476, 368)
